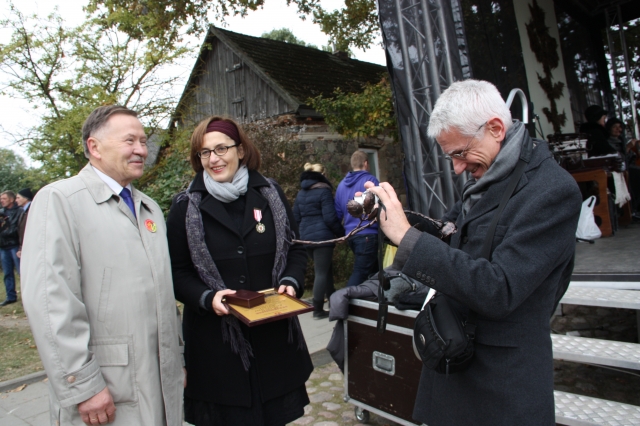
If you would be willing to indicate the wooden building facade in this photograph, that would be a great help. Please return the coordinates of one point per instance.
(251, 78)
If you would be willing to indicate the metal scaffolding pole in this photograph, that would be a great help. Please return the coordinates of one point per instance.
(614, 18)
(625, 54)
(419, 194)
(423, 40)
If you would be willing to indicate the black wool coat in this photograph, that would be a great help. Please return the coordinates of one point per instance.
(314, 209)
(510, 381)
(9, 237)
(245, 261)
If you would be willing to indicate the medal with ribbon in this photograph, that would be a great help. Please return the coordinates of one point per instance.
(257, 215)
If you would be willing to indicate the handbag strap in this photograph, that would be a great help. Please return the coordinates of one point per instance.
(383, 279)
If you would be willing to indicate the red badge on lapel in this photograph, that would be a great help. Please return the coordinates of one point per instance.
(151, 225)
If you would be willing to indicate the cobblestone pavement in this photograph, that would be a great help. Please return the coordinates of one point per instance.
(327, 408)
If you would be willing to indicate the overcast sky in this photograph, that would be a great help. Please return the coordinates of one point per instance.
(16, 114)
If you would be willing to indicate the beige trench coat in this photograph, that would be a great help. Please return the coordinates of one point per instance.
(97, 289)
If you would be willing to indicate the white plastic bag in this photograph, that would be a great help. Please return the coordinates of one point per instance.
(622, 193)
(587, 228)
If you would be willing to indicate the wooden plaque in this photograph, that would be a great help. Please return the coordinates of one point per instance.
(276, 307)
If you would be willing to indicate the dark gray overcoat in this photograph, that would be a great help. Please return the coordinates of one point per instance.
(510, 381)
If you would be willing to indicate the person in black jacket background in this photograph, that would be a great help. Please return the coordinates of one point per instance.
(597, 142)
(231, 230)
(23, 199)
(9, 244)
(315, 213)
(628, 150)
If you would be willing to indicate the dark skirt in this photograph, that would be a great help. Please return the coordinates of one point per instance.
(275, 412)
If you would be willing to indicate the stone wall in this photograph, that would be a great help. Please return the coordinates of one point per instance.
(322, 145)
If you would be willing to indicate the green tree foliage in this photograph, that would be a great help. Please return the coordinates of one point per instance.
(283, 34)
(365, 114)
(354, 25)
(13, 171)
(67, 72)
(15, 175)
(172, 173)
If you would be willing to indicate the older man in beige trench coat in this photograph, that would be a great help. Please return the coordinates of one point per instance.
(97, 288)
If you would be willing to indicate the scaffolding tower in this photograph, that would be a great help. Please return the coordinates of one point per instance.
(619, 57)
(426, 51)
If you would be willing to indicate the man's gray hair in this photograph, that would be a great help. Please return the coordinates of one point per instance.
(465, 106)
(98, 118)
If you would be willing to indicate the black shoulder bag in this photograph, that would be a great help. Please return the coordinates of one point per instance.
(441, 336)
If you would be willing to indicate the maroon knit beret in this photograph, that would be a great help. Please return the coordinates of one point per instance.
(225, 127)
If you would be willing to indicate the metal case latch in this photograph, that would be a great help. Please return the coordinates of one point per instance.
(384, 363)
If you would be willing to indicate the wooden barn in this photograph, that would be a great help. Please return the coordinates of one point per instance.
(251, 78)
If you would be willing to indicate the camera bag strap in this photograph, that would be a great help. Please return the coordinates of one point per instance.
(383, 280)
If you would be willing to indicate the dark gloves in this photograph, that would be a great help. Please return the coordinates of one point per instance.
(412, 300)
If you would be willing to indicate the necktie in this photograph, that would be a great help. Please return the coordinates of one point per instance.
(126, 196)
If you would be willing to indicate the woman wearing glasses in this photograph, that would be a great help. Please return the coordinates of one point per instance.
(230, 230)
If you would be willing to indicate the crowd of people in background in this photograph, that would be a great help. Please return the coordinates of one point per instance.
(606, 136)
(13, 222)
(322, 218)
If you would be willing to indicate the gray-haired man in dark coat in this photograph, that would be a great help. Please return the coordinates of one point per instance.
(510, 380)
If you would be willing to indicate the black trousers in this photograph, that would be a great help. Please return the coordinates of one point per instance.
(323, 269)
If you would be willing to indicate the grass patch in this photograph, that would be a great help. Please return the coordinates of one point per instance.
(18, 353)
(9, 309)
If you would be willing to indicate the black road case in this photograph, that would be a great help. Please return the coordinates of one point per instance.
(381, 371)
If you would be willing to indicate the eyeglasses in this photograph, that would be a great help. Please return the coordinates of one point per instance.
(462, 155)
(218, 150)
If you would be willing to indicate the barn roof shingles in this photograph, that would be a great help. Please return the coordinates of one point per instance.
(304, 72)
(298, 71)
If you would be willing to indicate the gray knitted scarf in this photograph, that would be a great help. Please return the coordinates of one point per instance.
(503, 165)
(228, 191)
(209, 274)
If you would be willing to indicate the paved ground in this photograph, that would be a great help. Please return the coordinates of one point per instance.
(617, 254)
(28, 405)
(327, 408)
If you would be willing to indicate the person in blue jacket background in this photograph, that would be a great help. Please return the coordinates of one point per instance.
(316, 217)
(365, 243)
